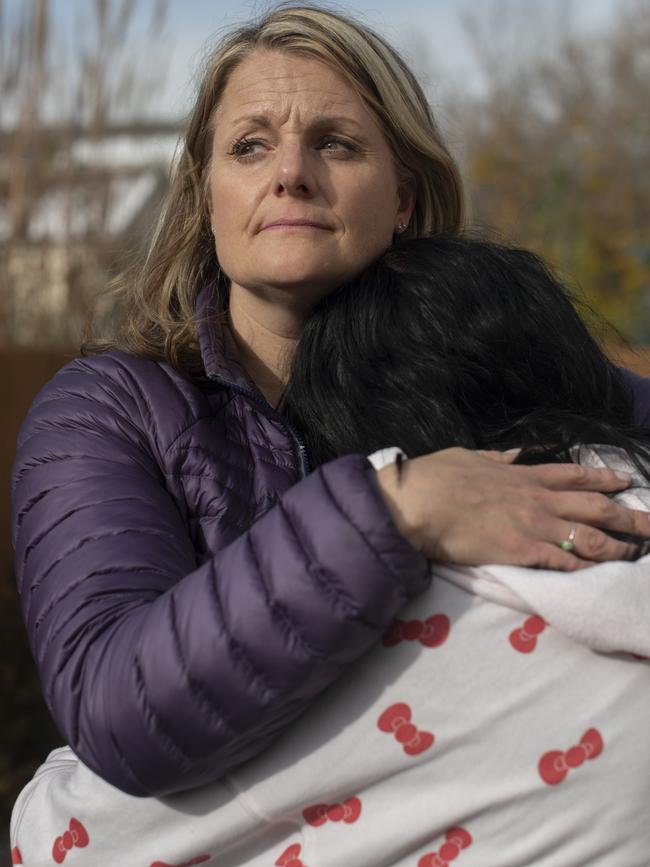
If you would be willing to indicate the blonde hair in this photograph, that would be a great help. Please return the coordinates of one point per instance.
(158, 297)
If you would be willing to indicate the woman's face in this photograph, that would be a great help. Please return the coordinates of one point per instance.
(293, 141)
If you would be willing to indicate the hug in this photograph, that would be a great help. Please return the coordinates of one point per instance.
(275, 559)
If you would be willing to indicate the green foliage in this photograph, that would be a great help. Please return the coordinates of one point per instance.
(558, 159)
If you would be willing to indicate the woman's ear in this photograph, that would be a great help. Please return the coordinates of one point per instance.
(407, 197)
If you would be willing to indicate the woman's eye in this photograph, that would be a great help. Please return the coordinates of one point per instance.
(332, 143)
(239, 149)
(243, 151)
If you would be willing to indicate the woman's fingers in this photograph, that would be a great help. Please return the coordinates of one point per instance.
(591, 544)
(567, 477)
(545, 555)
(597, 510)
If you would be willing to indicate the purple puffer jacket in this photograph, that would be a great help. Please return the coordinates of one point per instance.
(188, 587)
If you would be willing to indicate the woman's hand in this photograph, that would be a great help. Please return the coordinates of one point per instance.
(460, 506)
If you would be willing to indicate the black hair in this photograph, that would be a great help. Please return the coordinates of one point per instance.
(454, 341)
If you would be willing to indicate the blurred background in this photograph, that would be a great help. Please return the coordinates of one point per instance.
(544, 103)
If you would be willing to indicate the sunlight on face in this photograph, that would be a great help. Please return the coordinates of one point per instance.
(293, 141)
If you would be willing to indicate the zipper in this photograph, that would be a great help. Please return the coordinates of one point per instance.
(295, 435)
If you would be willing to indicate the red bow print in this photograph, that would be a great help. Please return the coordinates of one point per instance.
(200, 859)
(555, 765)
(431, 632)
(291, 857)
(525, 639)
(349, 811)
(76, 835)
(16, 857)
(456, 839)
(396, 719)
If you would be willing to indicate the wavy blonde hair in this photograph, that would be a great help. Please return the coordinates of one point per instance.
(156, 298)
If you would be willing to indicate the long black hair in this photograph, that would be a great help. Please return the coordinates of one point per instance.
(454, 341)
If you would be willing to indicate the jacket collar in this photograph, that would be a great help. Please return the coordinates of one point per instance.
(218, 350)
(219, 356)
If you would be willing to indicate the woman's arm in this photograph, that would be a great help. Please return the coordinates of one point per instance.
(160, 675)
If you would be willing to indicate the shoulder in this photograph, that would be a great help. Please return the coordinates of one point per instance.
(140, 396)
(639, 387)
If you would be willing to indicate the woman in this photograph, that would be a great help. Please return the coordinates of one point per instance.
(189, 588)
(473, 730)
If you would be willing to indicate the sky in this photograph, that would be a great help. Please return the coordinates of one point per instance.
(193, 25)
(436, 23)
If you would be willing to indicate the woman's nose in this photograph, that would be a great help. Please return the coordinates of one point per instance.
(294, 173)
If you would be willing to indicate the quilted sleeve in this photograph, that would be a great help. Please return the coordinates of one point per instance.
(162, 675)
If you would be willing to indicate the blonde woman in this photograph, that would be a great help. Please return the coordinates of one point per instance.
(189, 586)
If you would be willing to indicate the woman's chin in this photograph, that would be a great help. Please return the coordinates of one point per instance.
(309, 288)
(288, 274)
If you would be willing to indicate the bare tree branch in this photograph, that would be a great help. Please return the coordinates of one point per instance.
(55, 230)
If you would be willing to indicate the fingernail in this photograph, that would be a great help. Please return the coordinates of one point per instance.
(624, 477)
(511, 451)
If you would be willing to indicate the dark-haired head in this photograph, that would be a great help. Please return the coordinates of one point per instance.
(449, 341)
